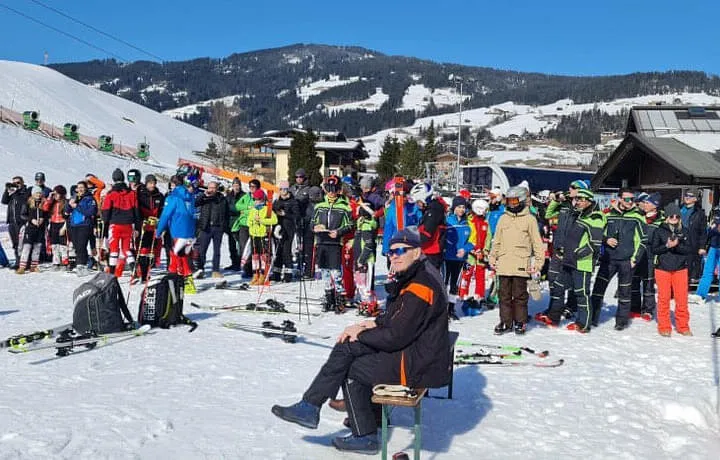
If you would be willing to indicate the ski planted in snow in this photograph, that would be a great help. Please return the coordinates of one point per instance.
(21, 340)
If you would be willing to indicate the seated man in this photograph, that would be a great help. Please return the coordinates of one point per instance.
(406, 345)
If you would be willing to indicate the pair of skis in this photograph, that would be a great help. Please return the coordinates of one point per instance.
(502, 355)
(286, 331)
(66, 343)
(21, 340)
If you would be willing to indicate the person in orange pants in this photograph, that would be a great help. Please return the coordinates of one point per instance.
(670, 245)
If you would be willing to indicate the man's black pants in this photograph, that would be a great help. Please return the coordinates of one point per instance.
(608, 269)
(356, 368)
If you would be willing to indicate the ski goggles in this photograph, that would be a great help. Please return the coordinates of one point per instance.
(398, 251)
(628, 199)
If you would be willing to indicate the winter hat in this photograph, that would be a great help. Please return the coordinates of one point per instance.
(150, 178)
(458, 201)
(672, 209)
(406, 236)
(37, 189)
(653, 199)
(40, 176)
(236, 181)
(258, 194)
(283, 184)
(118, 175)
(642, 196)
(690, 193)
(580, 184)
(366, 182)
(255, 183)
(300, 173)
(60, 190)
(524, 184)
(586, 193)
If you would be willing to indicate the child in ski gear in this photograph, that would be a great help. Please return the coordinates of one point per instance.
(624, 242)
(457, 249)
(643, 280)
(151, 201)
(261, 218)
(364, 248)
(240, 226)
(82, 209)
(178, 218)
(406, 345)
(480, 237)
(121, 215)
(33, 231)
(671, 245)
(211, 226)
(288, 211)
(330, 222)
(581, 242)
(432, 222)
(516, 241)
(54, 206)
(15, 197)
(411, 214)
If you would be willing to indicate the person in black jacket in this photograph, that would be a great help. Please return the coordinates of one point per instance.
(232, 196)
(671, 244)
(211, 226)
(695, 223)
(15, 197)
(288, 212)
(406, 345)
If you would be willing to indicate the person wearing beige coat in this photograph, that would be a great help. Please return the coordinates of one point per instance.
(517, 252)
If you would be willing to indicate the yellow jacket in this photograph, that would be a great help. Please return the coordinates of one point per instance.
(258, 222)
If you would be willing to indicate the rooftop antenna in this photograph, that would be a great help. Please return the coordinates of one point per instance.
(46, 56)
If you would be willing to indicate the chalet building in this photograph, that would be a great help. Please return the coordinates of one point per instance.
(667, 149)
(269, 154)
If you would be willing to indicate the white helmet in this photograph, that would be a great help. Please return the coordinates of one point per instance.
(517, 192)
(479, 207)
(543, 196)
(421, 192)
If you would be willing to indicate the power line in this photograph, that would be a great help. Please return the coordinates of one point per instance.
(20, 13)
(154, 56)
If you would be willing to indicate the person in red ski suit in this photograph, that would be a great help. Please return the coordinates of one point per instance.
(121, 215)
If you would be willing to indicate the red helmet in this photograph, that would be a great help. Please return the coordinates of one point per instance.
(332, 184)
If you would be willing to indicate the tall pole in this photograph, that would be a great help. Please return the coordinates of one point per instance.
(459, 171)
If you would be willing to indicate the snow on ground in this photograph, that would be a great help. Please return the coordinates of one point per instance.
(537, 156)
(306, 91)
(60, 100)
(179, 112)
(371, 104)
(208, 394)
(417, 97)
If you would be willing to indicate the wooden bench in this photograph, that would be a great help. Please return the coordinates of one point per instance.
(388, 402)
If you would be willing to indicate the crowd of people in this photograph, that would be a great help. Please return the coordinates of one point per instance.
(330, 231)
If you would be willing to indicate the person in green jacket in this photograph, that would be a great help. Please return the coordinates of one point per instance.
(583, 239)
(260, 221)
(239, 227)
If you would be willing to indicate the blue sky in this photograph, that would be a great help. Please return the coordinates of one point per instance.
(563, 37)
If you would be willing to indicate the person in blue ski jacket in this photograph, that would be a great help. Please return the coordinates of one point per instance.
(496, 210)
(457, 248)
(412, 216)
(713, 255)
(178, 216)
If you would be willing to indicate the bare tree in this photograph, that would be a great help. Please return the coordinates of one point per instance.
(222, 124)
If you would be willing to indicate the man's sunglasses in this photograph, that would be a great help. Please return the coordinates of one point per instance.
(398, 251)
(628, 199)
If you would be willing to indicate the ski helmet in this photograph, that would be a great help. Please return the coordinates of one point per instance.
(515, 199)
(134, 176)
(479, 207)
(332, 184)
(421, 193)
(580, 184)
(543, 196)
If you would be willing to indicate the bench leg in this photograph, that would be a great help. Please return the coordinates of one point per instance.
(384, 435)
(418, 431)
(450, 385)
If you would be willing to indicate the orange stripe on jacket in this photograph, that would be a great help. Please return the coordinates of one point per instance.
(422, 292)
(403, 376)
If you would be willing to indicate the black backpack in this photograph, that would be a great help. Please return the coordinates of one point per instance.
(161, 304)
(100, 306)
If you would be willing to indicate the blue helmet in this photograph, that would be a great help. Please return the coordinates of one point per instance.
(580, 184)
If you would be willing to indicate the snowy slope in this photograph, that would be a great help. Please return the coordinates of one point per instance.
(208, 394)
(371, 104)
(60, 100)
(179, 112)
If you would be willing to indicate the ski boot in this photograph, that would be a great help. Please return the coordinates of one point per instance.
(330, 300)
(502, 328)
(189, 286)
(452, 316)
(520, 328)
(543, 317)
(578, 328)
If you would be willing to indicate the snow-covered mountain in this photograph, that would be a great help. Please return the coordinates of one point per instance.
(61, 100)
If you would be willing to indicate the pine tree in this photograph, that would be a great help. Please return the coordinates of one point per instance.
(430, 150)
(303, 155)
(387, 163)
(410, 162)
